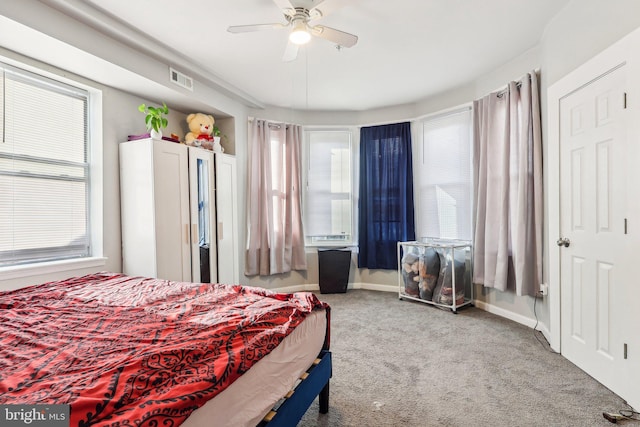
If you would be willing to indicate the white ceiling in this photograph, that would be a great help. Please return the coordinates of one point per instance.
(407, 50)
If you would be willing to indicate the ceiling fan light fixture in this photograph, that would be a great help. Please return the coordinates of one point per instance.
(299, 34)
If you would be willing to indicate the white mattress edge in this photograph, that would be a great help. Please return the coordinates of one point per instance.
(248, 399)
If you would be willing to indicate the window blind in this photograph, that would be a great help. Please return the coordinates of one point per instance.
(44, 170)
(445, 176)
(328, 202)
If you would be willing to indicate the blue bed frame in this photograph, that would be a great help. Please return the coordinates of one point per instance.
(314, 383)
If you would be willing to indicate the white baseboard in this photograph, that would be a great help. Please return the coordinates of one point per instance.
(545, 331)
(375, 287)
(523, 320)
(310, 287)
(526, 321)
(313, 287)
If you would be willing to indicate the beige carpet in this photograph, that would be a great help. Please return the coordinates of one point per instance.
(403, 363)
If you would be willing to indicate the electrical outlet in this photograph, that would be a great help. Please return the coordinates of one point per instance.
(544, 289)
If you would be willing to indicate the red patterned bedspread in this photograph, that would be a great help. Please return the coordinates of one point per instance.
(127, 351)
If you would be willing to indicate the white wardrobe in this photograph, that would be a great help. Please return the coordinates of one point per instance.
(178, 212)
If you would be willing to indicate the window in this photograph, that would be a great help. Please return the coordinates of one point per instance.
(444, 174)
(44, 169)
(278, 160)
(328, 200)
(275, 241)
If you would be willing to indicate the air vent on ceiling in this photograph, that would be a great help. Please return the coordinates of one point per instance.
(180, 79)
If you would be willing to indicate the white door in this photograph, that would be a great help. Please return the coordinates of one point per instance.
(593, 209)
(171, 193)
(227, 217)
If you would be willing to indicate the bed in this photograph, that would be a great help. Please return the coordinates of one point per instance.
(126, 351)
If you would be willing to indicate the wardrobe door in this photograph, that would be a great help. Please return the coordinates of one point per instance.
(202, 206)
(173, 225)
(154, 203)
(227, 218)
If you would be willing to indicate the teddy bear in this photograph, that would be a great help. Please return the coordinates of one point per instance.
(201, 128)
(410, 274)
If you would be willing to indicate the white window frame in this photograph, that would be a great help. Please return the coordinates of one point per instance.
(95, 202)
(353, 136)
(421, 217)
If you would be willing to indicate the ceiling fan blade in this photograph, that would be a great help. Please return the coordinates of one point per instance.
(286, 7)
(312, 4)
(257, 27)
(336, 36)
(283, 4)
(290, 52)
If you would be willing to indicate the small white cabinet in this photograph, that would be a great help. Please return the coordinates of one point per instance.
(178, 212)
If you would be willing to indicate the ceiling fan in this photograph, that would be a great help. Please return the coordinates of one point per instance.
(299, 13)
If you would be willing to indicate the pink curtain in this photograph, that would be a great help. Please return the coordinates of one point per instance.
(275, 241)
(508, 188)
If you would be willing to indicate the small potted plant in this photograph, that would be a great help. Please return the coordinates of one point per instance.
(218, 134)
(155, 119)
(216, 140)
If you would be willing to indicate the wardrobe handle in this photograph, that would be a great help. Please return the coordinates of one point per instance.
(194, 232)
(220, 228)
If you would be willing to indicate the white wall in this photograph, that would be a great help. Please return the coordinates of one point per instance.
(581, 30)
(31, 33)
(120, 117)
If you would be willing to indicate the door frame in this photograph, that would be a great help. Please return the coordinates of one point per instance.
(618, 54)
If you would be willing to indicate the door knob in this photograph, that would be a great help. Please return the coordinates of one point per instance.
(563, 241)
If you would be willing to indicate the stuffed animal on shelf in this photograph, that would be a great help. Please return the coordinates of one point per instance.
(201, 128)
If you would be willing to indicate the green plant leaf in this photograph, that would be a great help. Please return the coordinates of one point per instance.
(154, 119)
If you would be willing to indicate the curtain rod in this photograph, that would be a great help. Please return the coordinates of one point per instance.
(501, 93)
(272, 124)
(448, 112)
(504, 91)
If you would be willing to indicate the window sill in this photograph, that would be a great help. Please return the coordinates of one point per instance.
(314, 248)
(20, 271)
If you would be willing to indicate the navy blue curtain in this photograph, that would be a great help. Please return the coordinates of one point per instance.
(386, 194)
